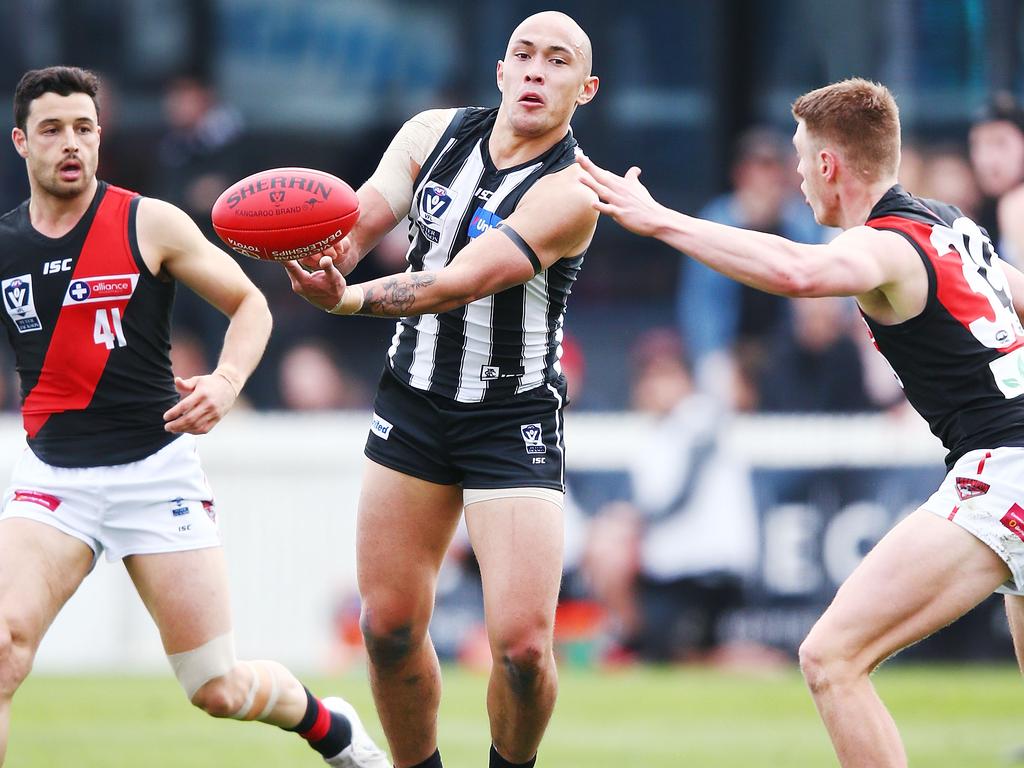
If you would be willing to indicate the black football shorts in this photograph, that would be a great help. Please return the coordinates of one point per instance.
(515, 442)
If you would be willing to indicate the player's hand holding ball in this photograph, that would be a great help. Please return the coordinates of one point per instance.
(301, 217)
(342, 254)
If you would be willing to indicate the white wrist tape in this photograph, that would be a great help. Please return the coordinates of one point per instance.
(351, 301)
(197, 667)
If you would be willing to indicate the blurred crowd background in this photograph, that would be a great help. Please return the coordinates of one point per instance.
(198, 93)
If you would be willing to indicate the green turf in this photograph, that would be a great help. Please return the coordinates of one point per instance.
(949, 716)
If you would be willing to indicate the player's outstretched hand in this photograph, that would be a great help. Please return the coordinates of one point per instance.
(322, 288)
(204, 401)
(623, 198)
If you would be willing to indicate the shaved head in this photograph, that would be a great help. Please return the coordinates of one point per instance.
(558, 23)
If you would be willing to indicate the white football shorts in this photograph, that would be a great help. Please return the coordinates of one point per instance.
(162, 503)
(984, 495)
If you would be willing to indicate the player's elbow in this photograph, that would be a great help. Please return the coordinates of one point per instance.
(794, 281)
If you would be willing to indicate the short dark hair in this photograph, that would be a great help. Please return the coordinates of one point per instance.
(60, 80)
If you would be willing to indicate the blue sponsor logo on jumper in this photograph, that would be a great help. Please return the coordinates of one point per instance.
(482, 221)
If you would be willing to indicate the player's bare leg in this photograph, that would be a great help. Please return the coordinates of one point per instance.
(187, 595)
(1015, 615)
(925, 573)
(405, 527)
(40, 568)
(518, 543)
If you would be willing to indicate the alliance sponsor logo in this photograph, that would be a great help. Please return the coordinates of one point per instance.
(87, 290)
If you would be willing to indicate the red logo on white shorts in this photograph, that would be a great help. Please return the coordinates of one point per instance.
(1014, 521)
(968, 488)
(37, 497)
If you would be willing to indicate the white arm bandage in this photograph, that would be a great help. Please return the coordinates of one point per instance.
(412, 144)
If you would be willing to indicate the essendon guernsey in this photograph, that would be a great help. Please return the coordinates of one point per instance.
(90, 328)
(961, 361)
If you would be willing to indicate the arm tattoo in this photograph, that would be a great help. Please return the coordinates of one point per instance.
(394, 296)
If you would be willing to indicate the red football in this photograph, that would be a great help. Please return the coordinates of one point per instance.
(285, 213)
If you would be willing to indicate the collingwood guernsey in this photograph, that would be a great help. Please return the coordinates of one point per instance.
(504, 344)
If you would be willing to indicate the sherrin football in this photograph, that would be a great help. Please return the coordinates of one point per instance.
(285, 213)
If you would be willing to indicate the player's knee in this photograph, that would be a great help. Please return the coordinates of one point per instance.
(390, 636)
(221, 697)
(15, 659)
(822, 664)
(209, 673)
(524, 657)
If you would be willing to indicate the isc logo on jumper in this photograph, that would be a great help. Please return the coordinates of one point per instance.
(533, 436)
(20, 303)
(482, 221)
(88, 290)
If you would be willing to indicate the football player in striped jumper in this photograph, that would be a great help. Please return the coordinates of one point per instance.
(468, 414)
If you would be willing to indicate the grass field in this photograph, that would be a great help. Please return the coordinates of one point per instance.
(962, 717)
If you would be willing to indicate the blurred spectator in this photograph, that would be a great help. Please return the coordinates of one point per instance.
(574, 368)
(946, 175)
(997, 156)
(310, 380)
(911, 167)
(195, 160)
(817, 367)
(673, 562)
(716, 313)
(198, 155)
(188, 355)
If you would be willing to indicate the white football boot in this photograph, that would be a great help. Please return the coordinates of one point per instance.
(362, 752)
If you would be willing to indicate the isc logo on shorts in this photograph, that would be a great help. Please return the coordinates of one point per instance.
(533, 436)
(380, 427)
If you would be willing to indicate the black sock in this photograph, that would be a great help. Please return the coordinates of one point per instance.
(327, 732)
(434, 761)
(497, 761)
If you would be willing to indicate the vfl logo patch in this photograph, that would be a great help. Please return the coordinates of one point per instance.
(37, 497)
(1014, 521)
(381, 427)
(89, 290)
(20, 303)
(968, 488)
(277, 195)
(179, 509)
(435, 201)
(533, 436)
(482, 221)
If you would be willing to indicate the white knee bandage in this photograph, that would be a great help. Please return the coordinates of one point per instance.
(197, 667)
(262, 696)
